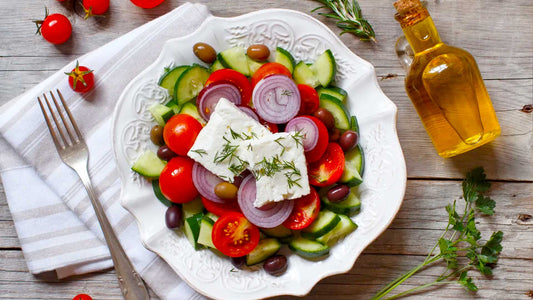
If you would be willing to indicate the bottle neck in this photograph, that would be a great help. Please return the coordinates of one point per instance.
(422, 35)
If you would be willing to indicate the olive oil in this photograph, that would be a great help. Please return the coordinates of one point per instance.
(445, 86)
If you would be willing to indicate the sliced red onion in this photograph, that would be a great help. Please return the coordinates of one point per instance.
(211, 94)
(268, 216)
(307, 128)
(276, 99)
(205, 182)
(249, 112)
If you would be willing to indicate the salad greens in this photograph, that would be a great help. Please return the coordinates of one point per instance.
(460, 238)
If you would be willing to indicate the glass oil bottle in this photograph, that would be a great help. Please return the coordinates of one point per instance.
(445, 86)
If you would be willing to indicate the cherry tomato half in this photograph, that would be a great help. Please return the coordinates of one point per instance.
(329, 168)
(234, 235)
(267, 69)
(55, 28)
(220, 209)
(309, 99)
(180, 132)
(240, 81)
(176, 182)
(304, 212)
(81, 79)
(147, 3)
(323, 139)
(82, 297)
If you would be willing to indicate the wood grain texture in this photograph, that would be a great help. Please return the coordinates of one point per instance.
(497, 33)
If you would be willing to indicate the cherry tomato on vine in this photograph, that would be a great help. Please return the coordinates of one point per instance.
(180, 132)
(82, 297)
(147, 3)
(176, 182)
(54, 28)
(81, 79)
(234, 235)
(95, 7)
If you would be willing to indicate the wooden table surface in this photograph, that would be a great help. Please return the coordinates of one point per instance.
(497, 33)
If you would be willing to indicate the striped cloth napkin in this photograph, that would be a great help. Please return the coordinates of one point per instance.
(55, 222)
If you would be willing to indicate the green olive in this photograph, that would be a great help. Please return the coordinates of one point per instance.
(205, 52)
(226, 190)
(156, 135)
(258, 52)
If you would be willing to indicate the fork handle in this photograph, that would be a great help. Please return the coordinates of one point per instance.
(131, 284)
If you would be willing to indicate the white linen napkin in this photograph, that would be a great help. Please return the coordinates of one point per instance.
(55, 222)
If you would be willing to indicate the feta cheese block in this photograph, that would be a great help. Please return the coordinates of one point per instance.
(224, 140)
(279, 166)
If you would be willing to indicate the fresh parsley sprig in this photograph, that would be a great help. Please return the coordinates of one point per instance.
(349, 18)
(460, 238)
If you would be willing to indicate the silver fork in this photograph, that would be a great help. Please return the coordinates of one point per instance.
(74, 153)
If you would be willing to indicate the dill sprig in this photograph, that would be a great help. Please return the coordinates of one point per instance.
(350, 18)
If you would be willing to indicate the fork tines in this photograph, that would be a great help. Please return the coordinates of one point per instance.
(73, 137)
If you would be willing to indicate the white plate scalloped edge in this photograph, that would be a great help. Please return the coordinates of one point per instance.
(384, 183)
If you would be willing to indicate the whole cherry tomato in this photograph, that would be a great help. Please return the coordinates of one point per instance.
(82, 297)
(176, 182)
(234, 235)
(55, 28)
(147, 3)
(81, 79)
(180, 132)
(95, 7)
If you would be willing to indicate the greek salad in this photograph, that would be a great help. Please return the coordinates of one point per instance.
(256, 151)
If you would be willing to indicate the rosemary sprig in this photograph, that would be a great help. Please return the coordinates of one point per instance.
(350, 18)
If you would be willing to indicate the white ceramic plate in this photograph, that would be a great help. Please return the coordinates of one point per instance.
(384, 176)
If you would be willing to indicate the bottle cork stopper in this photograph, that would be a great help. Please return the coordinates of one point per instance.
(410, 12)
(404, 6)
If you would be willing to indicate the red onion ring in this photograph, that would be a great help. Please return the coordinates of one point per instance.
(276, 99)
(205, 182)
(249, 112)
(211, 94)
(307, 128)
(268, 216)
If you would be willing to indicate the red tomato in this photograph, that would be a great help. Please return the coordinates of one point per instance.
(55, 28)
(267, 69)
(322, 144)
(329, 168)
(176, 182)
(234, 235)
(270, 126)
(309, 99)
(220, 209)
(237, 79)
(95, 7)
(82, 297)
(81, 79)
(304, 212)
(180, 132)
(147, 3)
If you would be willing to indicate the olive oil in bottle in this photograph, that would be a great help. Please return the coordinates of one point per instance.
(445, 86)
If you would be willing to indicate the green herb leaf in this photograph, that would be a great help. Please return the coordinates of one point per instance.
(466, 281)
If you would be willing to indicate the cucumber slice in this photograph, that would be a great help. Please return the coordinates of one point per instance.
(253, 65)
(285, 58)
(212, 216)
(348, 206)
(325, 68)
(192, 208)
(337, 109)
(192, 229)
(343, 228)
(303, 74)
(354, 124)
(265, 249)
(217, 65)
(324, 222)
(169, 79)
(149, 165)
(204, 236)
(235, 58)
(334, 91)
(190, 109)
(354, 163)
(308, 248)
(279, 231)
(190, 83)
(158, 194)
(161, 113)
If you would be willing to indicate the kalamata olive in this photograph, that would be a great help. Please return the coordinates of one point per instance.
(326, 117)
(226, 190)
(238, 262)
(275, 265)
(348, 140)
(173, 217)
(156, 135)
(334, 135)
(338, 193)
(205, 52)
(165, 153)
(258, 52)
